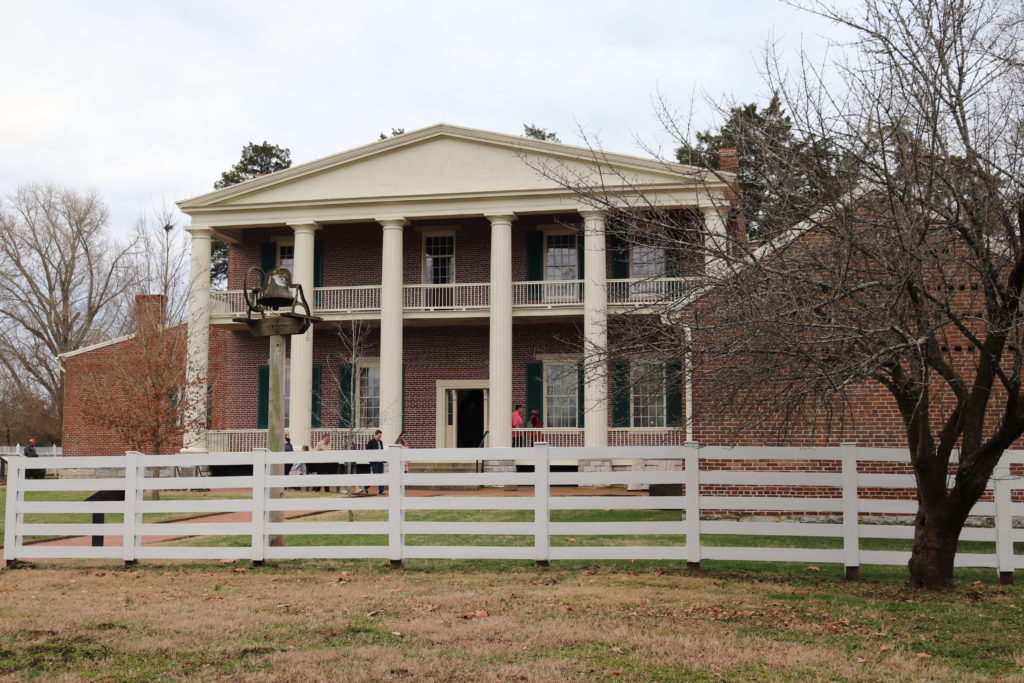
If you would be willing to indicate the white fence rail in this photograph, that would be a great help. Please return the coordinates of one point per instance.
(831, 492)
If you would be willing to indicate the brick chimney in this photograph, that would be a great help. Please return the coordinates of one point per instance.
(728, 160)
(736, 223)
(149, 312)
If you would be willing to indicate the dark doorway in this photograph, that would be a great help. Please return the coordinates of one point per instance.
(471, 418)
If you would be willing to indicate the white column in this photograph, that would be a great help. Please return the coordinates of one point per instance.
(391, 306)
(715, 237)
(500, 397)
(300, 402)
(198, 352)
(595, 331)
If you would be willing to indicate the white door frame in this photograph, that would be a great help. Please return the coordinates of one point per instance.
(443, 385)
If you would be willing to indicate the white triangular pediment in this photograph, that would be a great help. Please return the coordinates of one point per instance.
(444, 161)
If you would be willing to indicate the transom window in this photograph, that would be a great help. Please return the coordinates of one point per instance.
(647, 395)
(368, 396)
(561, 395)
(560, 257)
(439, 259)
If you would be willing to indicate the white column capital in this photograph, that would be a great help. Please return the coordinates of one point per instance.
(199, 231)
(500, 217)
(592, 214)
(304, 227)
(392, 222)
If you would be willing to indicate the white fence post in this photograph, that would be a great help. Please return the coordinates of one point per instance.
(542, 503)
(132, 495)
(851, 516)
(691, 461)
(1005, 564)
(260, 493)
(396, 501)
(13, 517)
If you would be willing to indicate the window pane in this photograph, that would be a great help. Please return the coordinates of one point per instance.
(440, 259)
(647, 395)
(369, 397)
(560, 258)
(560, 394)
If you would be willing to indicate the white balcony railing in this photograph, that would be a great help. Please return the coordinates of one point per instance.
(459, 297)
(646, 290)
(346, 299)
(471, 296)
(547, 294)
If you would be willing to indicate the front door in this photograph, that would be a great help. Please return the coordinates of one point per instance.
(465, 417)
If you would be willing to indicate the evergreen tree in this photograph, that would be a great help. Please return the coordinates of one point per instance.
(256, 160)
(537, 133)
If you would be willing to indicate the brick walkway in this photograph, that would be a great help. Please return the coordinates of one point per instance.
(244, 517)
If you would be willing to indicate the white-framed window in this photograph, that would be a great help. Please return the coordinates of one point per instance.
(439, 259)
(368, 396)
(286, 256)
(647, 394)
(561, 394)
(561, 258)
(646, 261)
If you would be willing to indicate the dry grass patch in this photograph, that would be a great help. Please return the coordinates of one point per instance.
(461, 622)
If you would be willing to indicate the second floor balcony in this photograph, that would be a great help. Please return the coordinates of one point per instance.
(556, 297)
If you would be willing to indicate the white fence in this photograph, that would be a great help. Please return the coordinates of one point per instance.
(816, 492)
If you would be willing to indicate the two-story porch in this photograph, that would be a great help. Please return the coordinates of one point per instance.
(454, 282)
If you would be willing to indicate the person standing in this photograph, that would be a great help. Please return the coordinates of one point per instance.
(30, 452)
(517, 422)
(536, 425)
(375, 444)
(288, 448)
(324, 468)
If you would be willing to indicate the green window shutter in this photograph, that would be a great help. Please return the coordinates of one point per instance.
(620, 394)
(674, 394)
(315, 417)
(209, 406)
(346, 396)
(535, 388)
(579, 256)
(534, 263)
(403, 399)
(579, 394)
(318, 264)
(268, 256)
(263, 397)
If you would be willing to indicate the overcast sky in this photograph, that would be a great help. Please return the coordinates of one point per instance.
(148, 102)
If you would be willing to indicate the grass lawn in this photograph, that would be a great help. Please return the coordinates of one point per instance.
(497, 621)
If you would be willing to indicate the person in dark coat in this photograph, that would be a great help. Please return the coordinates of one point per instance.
(374, 444)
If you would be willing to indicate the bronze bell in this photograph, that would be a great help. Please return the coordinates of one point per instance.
(276, 292)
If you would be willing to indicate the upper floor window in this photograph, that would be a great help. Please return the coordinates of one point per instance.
(439, 259)
(286, 256)
(561, 257)
(646, 261)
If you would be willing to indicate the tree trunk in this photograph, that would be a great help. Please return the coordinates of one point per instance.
(936, 534)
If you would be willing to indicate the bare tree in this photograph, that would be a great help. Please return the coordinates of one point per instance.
(906, 282)
(60, 275)
(136, 389)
